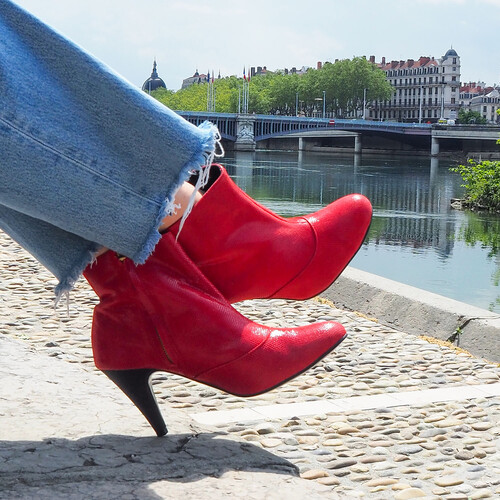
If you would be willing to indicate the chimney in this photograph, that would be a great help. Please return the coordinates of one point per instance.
(383, 60)
(372, 59)
(318, 65)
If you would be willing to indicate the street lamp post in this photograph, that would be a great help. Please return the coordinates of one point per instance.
(364, 104)
(296, 104)
(324, 102)
(317, 100)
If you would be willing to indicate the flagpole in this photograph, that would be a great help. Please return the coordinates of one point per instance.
(208, 92)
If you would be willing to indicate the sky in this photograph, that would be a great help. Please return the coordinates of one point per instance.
(229, 35)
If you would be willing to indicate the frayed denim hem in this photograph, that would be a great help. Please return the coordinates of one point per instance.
(203, 158)
(66, 285)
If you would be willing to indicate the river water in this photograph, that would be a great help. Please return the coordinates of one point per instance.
(415, 237)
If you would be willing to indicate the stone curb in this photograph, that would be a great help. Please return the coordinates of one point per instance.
(418, 312)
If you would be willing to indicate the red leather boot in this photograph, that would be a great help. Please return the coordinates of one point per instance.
(166, 316)
(249, 252)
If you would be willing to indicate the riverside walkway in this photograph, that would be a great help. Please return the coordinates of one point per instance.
(387, 415)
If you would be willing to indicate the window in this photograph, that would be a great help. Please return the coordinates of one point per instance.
(430, 79)
(454, 60)
(452, 100)
(453, 78)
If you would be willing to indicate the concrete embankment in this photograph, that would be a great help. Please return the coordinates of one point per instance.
(418, 312)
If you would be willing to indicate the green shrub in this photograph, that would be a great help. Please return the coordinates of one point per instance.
(482, 183)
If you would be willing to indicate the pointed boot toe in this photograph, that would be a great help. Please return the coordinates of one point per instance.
(285, 354)
(249, 252)
(339, 231)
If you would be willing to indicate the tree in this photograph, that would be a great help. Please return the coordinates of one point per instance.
(482, 183)
(194, 97)
(468, 116)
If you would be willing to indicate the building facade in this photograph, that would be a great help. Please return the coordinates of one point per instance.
(476, 96)
(191, 80)
(487, 105)
(425, 89)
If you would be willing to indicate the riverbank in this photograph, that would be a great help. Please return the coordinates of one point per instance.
(418, 312)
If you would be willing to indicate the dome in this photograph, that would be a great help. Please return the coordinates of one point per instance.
(451, 53)
(153, 82)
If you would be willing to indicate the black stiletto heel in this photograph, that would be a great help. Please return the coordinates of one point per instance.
(136, 385)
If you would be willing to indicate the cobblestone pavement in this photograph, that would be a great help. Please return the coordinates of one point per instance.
(448, 448)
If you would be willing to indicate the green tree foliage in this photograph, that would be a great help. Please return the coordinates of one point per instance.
(467, 117)
(344, 84)
(484, 230)
(194, 97)
(482, 183)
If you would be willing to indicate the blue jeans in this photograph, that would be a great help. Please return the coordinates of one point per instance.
(86, 159)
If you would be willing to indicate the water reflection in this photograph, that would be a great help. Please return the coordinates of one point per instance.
(415, 236)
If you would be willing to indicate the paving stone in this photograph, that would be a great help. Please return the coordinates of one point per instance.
(314, 474)
(446, 481)
(409, 493)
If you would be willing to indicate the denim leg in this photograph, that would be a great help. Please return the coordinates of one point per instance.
(86, 159)
(61, 252)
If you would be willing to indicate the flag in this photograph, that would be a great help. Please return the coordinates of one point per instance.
(244, 76)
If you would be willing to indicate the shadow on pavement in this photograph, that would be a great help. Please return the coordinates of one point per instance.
(116, 459)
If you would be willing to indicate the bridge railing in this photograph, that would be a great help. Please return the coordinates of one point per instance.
(267, 126)
(225, 122)
(272, 126)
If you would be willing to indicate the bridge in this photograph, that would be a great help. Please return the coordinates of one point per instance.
(246, 130)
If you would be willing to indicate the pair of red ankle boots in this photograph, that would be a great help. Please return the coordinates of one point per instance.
(173, 313)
